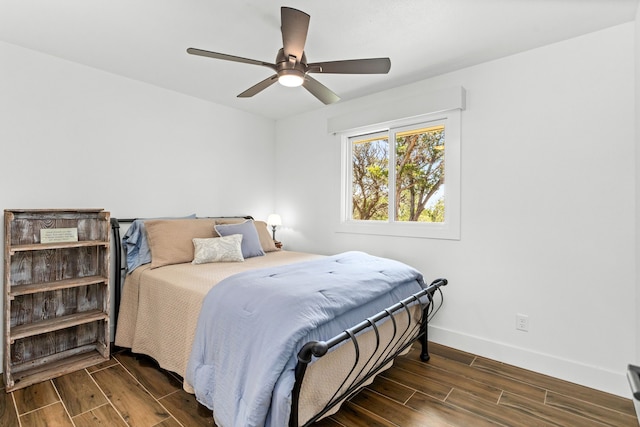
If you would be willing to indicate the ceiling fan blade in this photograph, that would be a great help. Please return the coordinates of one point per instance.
(295, 25)
(257, 88)
(224, 56)
(319, 90)
(352, 66)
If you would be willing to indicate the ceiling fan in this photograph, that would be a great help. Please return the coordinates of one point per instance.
(291, 65)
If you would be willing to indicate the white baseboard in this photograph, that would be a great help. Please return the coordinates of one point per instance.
(568, 370)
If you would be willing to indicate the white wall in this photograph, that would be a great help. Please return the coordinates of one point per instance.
(548, 207)
(637, 118)
(73, 136)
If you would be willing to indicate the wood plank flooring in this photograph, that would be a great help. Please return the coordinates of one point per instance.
(453, 389)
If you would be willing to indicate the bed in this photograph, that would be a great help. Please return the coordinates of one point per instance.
(202, 319)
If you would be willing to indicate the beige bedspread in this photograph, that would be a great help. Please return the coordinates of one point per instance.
(159, 312)
(159, 307)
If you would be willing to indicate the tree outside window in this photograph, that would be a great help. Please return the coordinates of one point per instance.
(370, 167)
(417, 178)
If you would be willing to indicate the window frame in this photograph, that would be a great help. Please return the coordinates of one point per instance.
(450, 228)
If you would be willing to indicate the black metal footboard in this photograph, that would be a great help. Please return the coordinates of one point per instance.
(402, 338)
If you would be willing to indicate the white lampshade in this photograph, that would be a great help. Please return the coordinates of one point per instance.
(274, 219)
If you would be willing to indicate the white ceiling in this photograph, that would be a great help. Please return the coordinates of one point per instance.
(146, 40)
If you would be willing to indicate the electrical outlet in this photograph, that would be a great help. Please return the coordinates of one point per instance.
(522, 322)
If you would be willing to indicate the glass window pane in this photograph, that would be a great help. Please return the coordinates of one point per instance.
(420, 175)
(370, 177)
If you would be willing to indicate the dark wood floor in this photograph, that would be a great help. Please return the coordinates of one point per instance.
(453, 389)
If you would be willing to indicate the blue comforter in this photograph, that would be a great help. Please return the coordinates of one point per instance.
(252, 325)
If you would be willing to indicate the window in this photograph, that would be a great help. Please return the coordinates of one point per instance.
(370, 177)
(403, 179)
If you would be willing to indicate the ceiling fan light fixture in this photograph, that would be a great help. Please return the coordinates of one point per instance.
(290, 78)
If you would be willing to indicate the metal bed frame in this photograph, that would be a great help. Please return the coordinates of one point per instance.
(407, 337)
(415, 330)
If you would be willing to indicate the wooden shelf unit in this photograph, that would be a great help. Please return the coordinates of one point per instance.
(56, 299)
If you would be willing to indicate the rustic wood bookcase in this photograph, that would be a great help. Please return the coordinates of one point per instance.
(56, 294)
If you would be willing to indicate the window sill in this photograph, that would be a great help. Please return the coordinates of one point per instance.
(415, 230)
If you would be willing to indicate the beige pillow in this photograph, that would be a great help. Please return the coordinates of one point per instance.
(171, 241)
(266, 239)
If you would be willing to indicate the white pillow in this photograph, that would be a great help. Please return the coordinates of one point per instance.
(218, 249)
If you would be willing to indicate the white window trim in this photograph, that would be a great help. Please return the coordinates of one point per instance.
(450, 228)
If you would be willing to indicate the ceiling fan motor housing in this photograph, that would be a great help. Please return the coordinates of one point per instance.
(291, 71)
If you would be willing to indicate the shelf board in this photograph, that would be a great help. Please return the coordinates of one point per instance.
(50, 325)
(60, 245)
(33, 288)
(44, 371)
(39, 213)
